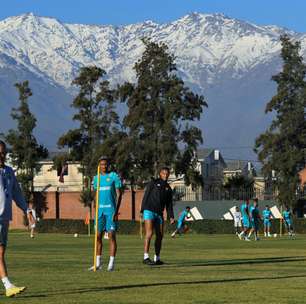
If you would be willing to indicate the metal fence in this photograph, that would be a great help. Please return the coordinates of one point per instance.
(187, 194)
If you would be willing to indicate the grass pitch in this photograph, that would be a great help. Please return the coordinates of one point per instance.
(198, 269)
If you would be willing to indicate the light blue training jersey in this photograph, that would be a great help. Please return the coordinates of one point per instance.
(244, 211)
(266, 214)
(182, 216)
(107, 195)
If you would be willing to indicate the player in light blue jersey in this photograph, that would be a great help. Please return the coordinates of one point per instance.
(181, 222)
(254, 219)
(267, 216)
(245, 221)
(287, 216)
(108, 207)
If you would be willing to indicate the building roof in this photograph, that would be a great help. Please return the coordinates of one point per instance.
(235, 165)
(203, 153)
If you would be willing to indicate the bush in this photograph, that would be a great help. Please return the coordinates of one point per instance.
(132, 227)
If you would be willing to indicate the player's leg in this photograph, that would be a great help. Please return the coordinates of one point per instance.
(101, 224)
(159, 232)
(111, 228)
(148, 225)
(10, 289)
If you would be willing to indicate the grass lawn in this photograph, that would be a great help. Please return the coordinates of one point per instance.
(198, 269)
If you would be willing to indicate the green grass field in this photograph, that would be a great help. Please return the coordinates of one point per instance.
(198, 269)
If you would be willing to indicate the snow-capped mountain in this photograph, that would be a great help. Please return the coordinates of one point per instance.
(229, 61)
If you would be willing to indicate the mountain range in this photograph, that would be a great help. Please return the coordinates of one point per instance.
(229, 61)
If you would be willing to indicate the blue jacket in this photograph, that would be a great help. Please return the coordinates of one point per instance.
(9, 190)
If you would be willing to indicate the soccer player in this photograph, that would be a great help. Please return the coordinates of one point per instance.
(245, 221)
(157, 197)
(267, 216)
(287, 216)
(32, 219)
(254, 219)
(108, 207)
(9, 190)
(181, 225)
(237, 220)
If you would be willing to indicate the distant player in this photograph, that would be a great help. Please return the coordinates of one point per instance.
(287, 216)
(181, 222)
(267, 216)
(237, 220)
(109, 204)
(254, 219)
(245, 221)
(32, 220)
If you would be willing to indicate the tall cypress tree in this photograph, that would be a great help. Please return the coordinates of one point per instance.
(25, 151)
(97, 120)
(282, 146)
(160, 110)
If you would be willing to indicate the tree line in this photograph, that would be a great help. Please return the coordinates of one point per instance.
(157, 127)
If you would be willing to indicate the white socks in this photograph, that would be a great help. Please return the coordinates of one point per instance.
(98, 260)
(156, 258)
(145, 256)
(111, 263)
(6, 282)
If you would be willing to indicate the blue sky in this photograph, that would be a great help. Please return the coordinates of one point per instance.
(287, 13)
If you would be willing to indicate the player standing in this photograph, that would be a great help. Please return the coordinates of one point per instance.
(9, 190)
(109, 204)
(267, 216)
(237, 220)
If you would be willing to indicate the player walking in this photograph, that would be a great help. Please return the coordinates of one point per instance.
(245, 221)
(287, 216)
(157, 197)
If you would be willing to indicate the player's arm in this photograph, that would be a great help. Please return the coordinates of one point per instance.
(146, 196)
(119, 192)
(18, 196)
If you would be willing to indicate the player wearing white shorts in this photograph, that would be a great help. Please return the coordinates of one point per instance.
(237, 220)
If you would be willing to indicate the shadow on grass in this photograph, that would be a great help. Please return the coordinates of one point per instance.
(267, 260)
(148, 285)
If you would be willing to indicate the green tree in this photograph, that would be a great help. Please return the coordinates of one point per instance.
(97, 120)
(25, 151)
(282, 147)
(160, 112)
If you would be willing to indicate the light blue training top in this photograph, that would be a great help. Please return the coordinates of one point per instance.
(9, 190)
(109, 182)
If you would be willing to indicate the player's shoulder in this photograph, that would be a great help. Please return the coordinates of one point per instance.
(9, 170)
(114, 175)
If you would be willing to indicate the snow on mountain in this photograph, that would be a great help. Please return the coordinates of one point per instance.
(215, 54)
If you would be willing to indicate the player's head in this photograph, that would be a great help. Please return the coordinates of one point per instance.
(188, 208)
(164, 173)
(247, 201)
(104, 164)
(237, 208)
(287, 207)
(2, 153)
(267, 207)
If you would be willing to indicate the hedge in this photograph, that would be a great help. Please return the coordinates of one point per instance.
(132, 227)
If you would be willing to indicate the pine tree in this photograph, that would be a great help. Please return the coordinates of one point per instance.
(282, 147)
(97, 120)
(160, 110)
(25, 151)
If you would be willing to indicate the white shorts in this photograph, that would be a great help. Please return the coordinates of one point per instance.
(237, 224)
(32, 226)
